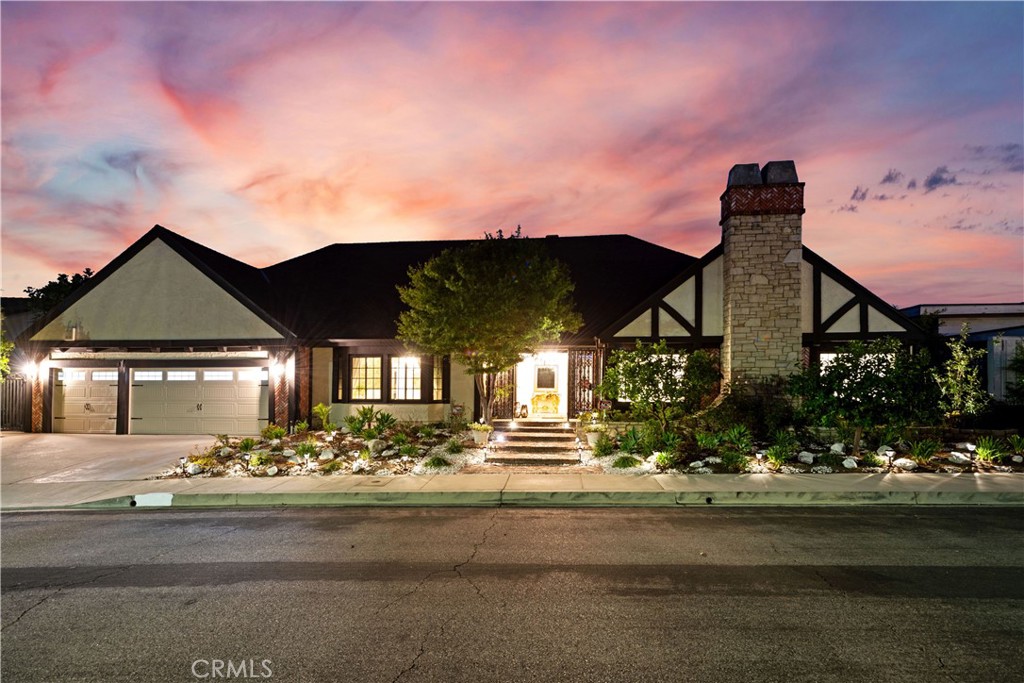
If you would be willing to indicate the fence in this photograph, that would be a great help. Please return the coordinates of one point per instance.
(16, 404)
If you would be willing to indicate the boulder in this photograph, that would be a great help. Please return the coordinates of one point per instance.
(225, 452)
(325, 456)
(389, 453)
(850, 464)
(359, 465)
(288, 453)
(838, 448)
(958, 458)
(193, 468)
(272, 470)
(882, 450)
(1018, 459)
(806, 457)
(904, 464)
(376, 446)
(696, 464)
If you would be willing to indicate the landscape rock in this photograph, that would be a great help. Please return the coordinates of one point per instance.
(359, 465)
(383, 472)
(325, 455)
(838, 448)
(193, 468)
(1018, 459)
(288, 453)
(882, 450)
(225, 452)
(696, 464)
(376, 446)
(806, 457)
(389, 453)
(272, 470)
(904, 464)
(850, 464)
(958, 458)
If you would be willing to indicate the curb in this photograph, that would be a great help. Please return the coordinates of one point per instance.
(543, 499)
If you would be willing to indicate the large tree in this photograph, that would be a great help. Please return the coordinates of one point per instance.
(487, 304)
(55, 291)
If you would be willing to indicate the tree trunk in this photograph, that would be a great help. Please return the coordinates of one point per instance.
(858, 432)
(485, 385)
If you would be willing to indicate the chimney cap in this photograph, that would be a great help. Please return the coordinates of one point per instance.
(775, 172)
(745, 174)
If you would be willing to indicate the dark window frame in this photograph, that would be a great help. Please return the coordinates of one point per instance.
(341, 380)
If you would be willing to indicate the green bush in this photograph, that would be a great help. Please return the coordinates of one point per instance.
(436, 462)
(385, 421)
(204, 461)
(830, 459)
(871, 460)
(739, 438)
(604, 446)
(427, 431)
(761, 405)
(247, 444)
(922, 451)
(261, 459)
(454, 446)
(734, 461)
(306, 448)
(778, 455)
(624, 462)
(1016, 441)
(671, 442)
(707, 441)
(989, 449)
(409, 450)
(332, 466)
(301, 427)
(322, 412)
(666, 461)
(631, 441)
(272, 432)
(399, 440)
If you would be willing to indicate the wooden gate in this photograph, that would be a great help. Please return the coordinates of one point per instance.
(16, 404)
(582, 378)
(505, 394)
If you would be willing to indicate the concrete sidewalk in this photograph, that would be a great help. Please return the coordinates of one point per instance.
(512, 489)
(53, 471)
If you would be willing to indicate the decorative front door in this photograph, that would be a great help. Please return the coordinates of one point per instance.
(582, 377)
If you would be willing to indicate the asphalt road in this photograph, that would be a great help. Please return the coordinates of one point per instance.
(367, 595)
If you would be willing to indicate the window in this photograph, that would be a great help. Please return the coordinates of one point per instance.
(366, 378)
(405, 378)
(104, 375)
(181, 375)
(546, 375)
(218, 375)
(148, 375)
(71, 375)
(438, 378)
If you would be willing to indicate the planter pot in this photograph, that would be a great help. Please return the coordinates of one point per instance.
(592, 438)
(480, 437)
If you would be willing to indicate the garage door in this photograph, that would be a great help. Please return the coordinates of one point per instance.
(231, 401)
(85, 401)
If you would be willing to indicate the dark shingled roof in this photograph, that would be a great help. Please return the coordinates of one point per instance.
(348, 291)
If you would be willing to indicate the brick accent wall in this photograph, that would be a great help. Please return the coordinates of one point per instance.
(303, 361)
(37, 403)
(761, 240)
(279, 385)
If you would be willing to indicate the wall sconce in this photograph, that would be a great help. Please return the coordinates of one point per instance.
(276, 370)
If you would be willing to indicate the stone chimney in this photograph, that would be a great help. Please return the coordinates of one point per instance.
(761, 242)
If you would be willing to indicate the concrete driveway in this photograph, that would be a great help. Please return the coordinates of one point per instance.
(55, 458)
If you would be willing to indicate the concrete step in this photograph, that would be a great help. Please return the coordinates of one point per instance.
(563, 437)
(533, 447)
(518, 458)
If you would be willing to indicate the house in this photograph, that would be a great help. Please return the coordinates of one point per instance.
(997, 328)
(173, 337)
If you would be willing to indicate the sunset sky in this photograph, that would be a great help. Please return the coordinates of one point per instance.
(266, 130)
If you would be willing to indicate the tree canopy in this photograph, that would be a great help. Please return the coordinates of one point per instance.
(55, 291)
(487, 304)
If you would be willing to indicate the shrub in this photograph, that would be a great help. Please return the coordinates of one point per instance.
(480, 427)
(734, 461)
(665, 461)
(261, 459)
(355, 424)
(960, 379)
(671, 442)
(427, 432)
(1016, 441)
(760, 404)
(989, 450)
(626, 461)
(454, 446)
(301, 427)
(322, 412)
(922, 451)
(223, 440)
(399, 440)
(247, 444)
(306, 448)
(778, 455)
(272, 432)
(332, 466)
(871, 460)
(436, 462)
(604, 446)
(409, 450)
(204, 461)
(455, 423)
(370, 433)
(738, 437)
(630, 441)
(707, 441)
(385, 421)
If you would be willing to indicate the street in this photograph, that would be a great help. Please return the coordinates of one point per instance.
(368, 595)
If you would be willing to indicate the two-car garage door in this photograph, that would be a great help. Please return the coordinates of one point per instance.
(163, 400)
(198, 401)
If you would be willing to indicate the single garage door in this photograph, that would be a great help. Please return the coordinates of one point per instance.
(231, 401)
(85, 401)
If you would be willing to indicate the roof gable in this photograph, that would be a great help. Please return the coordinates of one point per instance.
(158, 291)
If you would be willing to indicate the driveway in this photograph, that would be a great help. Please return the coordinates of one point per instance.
(53, 458)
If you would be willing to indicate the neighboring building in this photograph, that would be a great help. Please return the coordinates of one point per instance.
(173, 337)
(997, 328)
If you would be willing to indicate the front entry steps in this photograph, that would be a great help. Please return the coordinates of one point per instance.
(533, 442)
